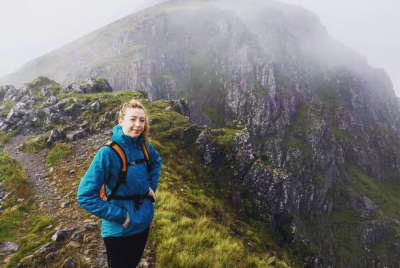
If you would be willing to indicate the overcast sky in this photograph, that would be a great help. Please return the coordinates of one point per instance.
(29, 29)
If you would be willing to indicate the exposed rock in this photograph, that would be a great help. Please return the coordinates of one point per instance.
(45, 91)
(95, 106)
(76, 235)
(89, 237)
(50, 257)
(357, 202)
(181, 106)
(69, 263)
(61, 235)
(91, 226)
(73, 244)
(242, 153)
(45, 249)
(19, 116)
(12, 94)
(91, 85)
(208, 148)
(4, 89)
(74, 110)
(9, 246)
(64, 204)
(372, 234)
(56, 135)
(51, 101)
(75, 135)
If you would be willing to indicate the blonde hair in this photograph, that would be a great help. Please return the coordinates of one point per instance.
(136, 104)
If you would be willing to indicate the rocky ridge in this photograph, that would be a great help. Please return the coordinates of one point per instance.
(70, 237)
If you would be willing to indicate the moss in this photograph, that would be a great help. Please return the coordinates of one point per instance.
(328, 95)
(216, 115)
(249, 206)
(385, 195)
(6, 137)
(13, 177)
(57, 154)
(284, 93)
(301, 124)
(316, 180)
(6, 108)
(33, 145)
(340, 228)
(339, 134)
(293, 143)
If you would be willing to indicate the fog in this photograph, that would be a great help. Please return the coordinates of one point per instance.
(30, 29)
(368, 26)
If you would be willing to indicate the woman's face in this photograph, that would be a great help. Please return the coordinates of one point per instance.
(133, 122)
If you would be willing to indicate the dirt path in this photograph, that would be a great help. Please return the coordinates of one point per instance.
(34, 165)
(61, 206)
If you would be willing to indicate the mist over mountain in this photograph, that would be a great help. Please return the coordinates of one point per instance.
(319, 161)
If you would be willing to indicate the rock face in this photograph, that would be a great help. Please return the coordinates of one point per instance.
(320, 154)
(91, 85)
(27, 114)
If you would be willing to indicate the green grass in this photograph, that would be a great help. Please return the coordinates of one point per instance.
(192, 226)
(186, 238)
(16, 225)
(216, 115)
(7, 108)
(301, 122)
(339, 134)
(385, 195)
(33, 145)
(57, 154)
(13, 177)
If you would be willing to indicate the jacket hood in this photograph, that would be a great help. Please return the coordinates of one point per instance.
(119, 137)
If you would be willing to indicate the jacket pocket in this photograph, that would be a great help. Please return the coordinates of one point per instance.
(138, 219)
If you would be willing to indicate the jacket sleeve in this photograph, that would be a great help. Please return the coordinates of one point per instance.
(90, 185)
(155, 162)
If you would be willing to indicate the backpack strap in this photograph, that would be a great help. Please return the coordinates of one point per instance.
(146, 157)
(122, 173)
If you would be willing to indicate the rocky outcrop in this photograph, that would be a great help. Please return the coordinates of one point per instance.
(24, 114)
(4, 89)
(91, 85)
(374, 233)
(281, 199)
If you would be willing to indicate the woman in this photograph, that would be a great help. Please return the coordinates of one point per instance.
(125, 223)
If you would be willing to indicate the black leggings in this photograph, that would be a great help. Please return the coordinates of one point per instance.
(125, 251)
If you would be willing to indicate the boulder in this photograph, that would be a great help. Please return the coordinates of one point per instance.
(4, 89)
(375, 232)
(51, 101)
(9, 246)
(56, 135)
(61, 235)
(92, 85)
(16, 95)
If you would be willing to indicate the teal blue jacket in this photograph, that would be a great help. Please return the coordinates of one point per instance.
(104, 169)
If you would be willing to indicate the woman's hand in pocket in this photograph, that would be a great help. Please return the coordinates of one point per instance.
(126, 221)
